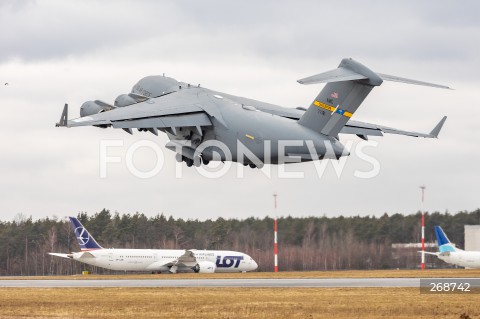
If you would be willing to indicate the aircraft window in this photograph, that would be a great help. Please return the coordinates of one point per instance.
(249, 107)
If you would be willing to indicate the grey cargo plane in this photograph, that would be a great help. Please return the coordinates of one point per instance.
(205, 125)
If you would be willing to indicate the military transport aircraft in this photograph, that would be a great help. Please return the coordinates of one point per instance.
(205, 125)
(156, 260)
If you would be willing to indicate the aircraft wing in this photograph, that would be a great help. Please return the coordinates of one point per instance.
(364, 129)
(173, 110)
(186, 260)
(361, 129)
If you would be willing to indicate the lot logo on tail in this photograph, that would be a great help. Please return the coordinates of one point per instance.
(82, 235)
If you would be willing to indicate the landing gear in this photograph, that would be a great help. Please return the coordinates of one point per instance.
(259, 166)
(197, 160)
(188, 161)
(196, 268)
(179, 157)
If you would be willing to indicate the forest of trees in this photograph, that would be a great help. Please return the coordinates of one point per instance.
(309, 243)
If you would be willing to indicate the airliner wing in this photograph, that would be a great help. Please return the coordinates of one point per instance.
(187, 257)
(186, 260)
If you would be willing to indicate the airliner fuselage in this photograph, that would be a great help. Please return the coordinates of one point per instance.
(162, 260)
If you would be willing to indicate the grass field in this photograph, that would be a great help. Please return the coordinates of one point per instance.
(242, 302)
(233, 303)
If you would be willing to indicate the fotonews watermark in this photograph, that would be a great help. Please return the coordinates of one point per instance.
(214, 159)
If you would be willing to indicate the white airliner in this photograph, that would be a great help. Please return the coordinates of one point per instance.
(453, 255)
(156, 260)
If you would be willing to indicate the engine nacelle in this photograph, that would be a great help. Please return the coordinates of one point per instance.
(205, 267)
(94, 107)
(124, 100)
(89, 108)
(155, 85)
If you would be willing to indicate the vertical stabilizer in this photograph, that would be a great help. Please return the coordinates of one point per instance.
(443, 242)
(84, 239)
(346, 88)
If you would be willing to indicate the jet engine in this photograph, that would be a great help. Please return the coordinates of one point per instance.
(155, 86)
(91, 107)
(124, 100)
(205, 267)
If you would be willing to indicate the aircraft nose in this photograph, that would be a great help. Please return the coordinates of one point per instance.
(254, 264)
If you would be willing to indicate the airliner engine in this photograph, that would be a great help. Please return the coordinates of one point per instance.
(205, 267)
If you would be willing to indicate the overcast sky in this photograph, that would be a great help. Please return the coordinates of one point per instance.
(53, 52)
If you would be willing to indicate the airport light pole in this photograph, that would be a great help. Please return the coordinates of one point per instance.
(423, 227)
(275, 237)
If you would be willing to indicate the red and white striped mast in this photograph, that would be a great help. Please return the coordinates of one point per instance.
(423, 227)
(275, 237)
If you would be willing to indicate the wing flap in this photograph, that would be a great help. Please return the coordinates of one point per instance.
(120, 114)
(195, 119)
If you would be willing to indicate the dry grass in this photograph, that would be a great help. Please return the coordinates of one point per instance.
(430, 273)
(233, 303)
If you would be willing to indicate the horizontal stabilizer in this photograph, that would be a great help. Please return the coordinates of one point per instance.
(429, 253)
(69, 256)
(395, 78)
(338, 75)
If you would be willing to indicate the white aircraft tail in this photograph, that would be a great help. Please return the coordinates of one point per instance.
(444, 244)
(84, 239)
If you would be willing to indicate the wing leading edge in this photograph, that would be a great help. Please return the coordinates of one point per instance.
(365, 129)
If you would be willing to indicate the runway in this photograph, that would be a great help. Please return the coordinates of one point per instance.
(258, 283)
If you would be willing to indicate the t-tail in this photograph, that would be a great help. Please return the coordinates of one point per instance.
(84, 239)
(346, 88)
(444, 244)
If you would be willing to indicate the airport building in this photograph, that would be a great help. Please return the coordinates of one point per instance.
(472, 237)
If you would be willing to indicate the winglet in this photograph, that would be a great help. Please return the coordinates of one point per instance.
(64, 118)
(436, 130)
